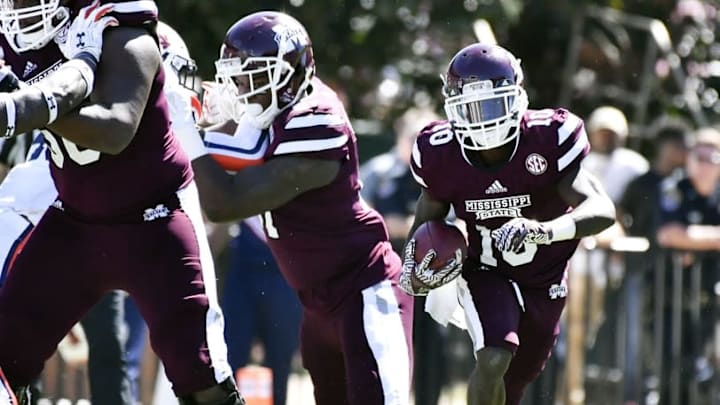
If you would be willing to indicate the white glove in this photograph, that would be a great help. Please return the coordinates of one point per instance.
(419, 279)
(215, 107)
(85, 34)
(183, 122)
(512, 236)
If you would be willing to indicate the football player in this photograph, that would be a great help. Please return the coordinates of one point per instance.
(126, 215)
(331, 247)
(516, 181)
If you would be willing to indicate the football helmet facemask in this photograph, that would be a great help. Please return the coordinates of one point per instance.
(176, 57)
(484, 97)
(32, 24)
(261, 54)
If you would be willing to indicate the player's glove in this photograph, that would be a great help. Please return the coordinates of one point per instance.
(419, 278)
(512, 236)
(85, 34)
(183, 122)
(9, 82)
(216, 109)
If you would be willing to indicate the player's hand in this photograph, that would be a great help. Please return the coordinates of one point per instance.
(182, 122)
(419, 278)
(85, 34)
(9, 82)
(512, 236)
(215, 107)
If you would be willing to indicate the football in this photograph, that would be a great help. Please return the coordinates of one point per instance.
(441, 236)
(236, 152)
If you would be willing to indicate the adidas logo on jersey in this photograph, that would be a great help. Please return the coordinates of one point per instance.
(29, 68)
(495, 188)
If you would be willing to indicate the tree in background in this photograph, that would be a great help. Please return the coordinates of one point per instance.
(387, 55)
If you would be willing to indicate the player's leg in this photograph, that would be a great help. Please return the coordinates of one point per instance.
(239, 308)
(279, 329)
(323, 358)
(15, 231)
(172, 280)
(49, 288)
(105, 329)
(492, 310)
(135, 345)
(377, 344)
(539, 328)
(7, 397)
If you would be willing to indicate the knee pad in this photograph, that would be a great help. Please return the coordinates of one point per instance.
(224, 393)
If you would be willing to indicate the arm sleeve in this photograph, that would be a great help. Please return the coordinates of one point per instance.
(320, 136)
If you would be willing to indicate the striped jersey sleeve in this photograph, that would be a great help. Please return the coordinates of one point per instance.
(572, 142)
(318, 135)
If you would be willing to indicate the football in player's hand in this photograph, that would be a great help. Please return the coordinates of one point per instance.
(441, 236)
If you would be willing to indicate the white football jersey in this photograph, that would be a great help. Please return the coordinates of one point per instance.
(28, 188)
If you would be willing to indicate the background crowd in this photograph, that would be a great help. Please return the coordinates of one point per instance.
(640, 327)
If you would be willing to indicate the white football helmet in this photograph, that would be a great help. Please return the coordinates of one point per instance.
(31, 26)
(176, 57)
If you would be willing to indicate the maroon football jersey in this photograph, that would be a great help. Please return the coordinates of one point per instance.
(329, 234)
(552, 143)
(100, 186)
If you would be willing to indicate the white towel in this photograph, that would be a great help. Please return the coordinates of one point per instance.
(444, 307)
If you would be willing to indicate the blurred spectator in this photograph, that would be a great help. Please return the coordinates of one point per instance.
(259, 305)
(638, 207)
(615, 166)
(638, 213)
(690, 222)
(690, 210)
(609, 160)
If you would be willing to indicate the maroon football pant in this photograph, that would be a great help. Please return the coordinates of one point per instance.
(522, 320)
(363, 354)
(67, 266)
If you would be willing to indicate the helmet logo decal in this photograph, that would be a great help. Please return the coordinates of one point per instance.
(536, 164)
(289, 38)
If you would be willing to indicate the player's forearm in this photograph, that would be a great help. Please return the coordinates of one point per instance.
(590, 217)
(38, 105)
(225, 197)
(593, 216)
(427, 209)
(97, 127)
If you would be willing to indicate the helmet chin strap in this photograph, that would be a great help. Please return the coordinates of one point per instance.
(24, 39)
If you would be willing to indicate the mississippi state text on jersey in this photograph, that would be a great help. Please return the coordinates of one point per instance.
(551, 145)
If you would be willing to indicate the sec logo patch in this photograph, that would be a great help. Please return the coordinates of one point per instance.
(536, 164)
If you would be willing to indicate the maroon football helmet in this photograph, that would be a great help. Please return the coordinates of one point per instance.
(262, 53)
(484, 97)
